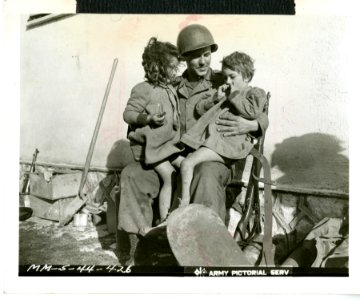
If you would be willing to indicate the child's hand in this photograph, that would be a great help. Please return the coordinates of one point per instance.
(223, 91)
(156, 119)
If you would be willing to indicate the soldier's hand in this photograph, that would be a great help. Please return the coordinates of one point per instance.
(230, 125)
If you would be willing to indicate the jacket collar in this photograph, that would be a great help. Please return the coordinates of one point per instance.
(204, 84)
(167, 87)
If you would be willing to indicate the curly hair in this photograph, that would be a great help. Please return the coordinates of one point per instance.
(156, 59)
(241, 63)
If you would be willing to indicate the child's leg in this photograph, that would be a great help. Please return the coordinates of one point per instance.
(166, 171)
(187, 169)
(177, 161)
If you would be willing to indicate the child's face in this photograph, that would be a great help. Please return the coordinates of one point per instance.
(234, 79)
(172, 68)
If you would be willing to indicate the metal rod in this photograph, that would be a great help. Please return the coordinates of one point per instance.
(96, 130)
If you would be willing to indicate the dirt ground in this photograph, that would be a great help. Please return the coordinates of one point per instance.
(45, 242)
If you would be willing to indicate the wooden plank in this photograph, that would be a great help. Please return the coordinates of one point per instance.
(298, 190)
(71, 166)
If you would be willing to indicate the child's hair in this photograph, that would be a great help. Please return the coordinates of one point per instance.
(156, 59)
(241, 63)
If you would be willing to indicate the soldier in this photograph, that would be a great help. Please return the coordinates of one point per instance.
(140, 186)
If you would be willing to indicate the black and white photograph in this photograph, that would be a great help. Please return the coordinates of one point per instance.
(184, 145)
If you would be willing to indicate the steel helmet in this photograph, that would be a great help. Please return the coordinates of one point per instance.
(194, 37)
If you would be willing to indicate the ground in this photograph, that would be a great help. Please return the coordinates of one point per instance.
(45, 242)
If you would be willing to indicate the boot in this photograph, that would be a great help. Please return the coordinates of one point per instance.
(126, 244)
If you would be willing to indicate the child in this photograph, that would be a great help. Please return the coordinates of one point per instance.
(235, 96)
(152, 114)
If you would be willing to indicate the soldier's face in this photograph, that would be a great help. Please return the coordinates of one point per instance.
(198, 61)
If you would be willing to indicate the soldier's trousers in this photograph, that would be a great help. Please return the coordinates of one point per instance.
(140, 187)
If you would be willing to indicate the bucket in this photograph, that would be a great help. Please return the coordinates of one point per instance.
(80, 220)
